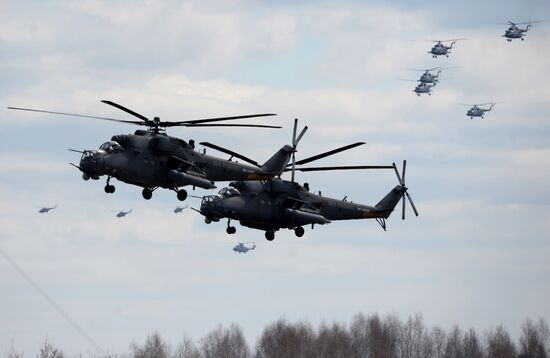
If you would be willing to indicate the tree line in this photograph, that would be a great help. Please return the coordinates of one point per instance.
(365, 336)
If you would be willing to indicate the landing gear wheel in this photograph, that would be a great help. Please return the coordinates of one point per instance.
(269, 235)
(147, 193)
(299, 231)
(182, 194)
(231, 230)
(109, 189)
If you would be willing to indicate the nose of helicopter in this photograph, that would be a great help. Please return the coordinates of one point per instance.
(91, 162)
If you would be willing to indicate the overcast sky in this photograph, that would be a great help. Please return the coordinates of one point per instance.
(477, 256)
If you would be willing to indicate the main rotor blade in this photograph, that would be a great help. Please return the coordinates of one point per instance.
(404, 168)
(75, 115)
(403, 210)
(218, 119)
(326, 154)
(168, 124)
(412, 204)
(350, 167)
(127, 110)
(230, 152)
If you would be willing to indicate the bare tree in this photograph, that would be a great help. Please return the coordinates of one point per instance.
(154, 347)
(13, 353)
(472, 347)
(49, 351)
(499, 344)
(359, 332)
(534, 339)
(414, 340)
(453, 347)
(186, 349)
(285, 340)
(382, 336)
(439, 341)
(227, 343)
(333, 342)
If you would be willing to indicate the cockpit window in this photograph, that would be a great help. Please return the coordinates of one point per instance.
(87, 154)
(210, 199)
(111, 147)
(229, 191)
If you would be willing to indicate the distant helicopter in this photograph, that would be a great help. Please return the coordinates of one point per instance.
(45, 210)
(424, 88)
(241, 248)
(477, 111)
(121, 213)
(439, 49)
(429, 77)
(180, 209)
(151, 159)
(515, 32)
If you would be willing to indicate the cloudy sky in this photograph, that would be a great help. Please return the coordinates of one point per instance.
(476, 256)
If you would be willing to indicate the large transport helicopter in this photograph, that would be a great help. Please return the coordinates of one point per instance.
(440, 49)
(477, 111)
(429, 77)
(281, 204)
(515, 32)
(151, 159)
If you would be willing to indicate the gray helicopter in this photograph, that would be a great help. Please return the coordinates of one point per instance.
(180, 209)
(241, 248)
(424, 88)
(275, 204)
(281, 204)
(515, 32)
(151, 159)
(45, 210)
(439, 49)
(121, 213)
(429, 77)
(477, 111)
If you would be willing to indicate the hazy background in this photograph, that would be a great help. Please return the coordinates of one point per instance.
(477, 255)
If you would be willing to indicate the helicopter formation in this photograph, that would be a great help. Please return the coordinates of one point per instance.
(257, 196)
(428, 80)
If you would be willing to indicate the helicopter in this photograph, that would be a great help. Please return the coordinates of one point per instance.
(515, 32)
(429, 77)
(281, 204)
(439, 49)
(45, 210)
(121, 213)
(275, 204)
(424, 88)
(180, 209)
(241, 248)
(477, 111)
(151, 159)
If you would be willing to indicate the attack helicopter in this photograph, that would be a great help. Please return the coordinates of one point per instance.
(277, 204)
(45, 210)
(241, 248)
(515, 32)
(477, 111)
(439, 49)
(122, 213)
(151, 159)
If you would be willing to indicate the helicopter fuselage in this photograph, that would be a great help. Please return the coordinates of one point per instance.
(153, 160)
(281, 204)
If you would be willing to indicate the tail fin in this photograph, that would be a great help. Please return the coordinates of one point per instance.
(278, 162)
(390, 201)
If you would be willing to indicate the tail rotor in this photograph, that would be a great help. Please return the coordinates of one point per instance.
(404, 189)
